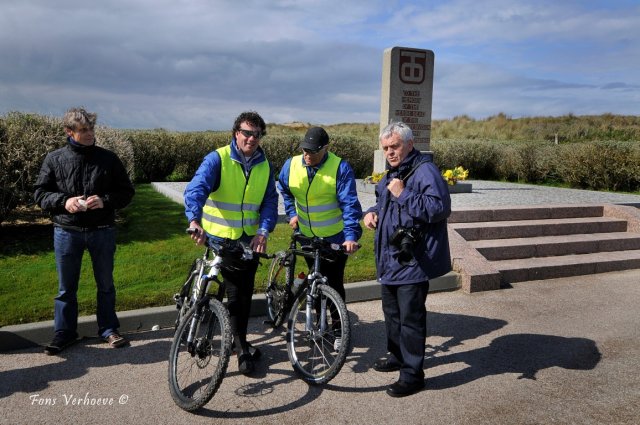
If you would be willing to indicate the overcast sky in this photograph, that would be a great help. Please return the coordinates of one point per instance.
(196, 64)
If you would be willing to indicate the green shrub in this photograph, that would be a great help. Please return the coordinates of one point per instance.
(358, 152)
(117, 141)
(498, 147)
(601, 165)
(155, 155)
(479, 157)
(25, 139)
(191, 148)
(279, 148)
(530, 162)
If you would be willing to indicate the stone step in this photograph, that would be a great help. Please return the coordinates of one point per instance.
(527, 212)
(526, 269)
(534, 228)
(546, 246)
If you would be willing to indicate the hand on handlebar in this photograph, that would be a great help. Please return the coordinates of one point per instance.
(350, 246)
(259, 244)
(197, 233)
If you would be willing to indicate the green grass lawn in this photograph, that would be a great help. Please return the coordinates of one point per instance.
(152, 259)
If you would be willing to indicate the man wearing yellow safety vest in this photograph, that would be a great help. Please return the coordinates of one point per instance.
(320, 199)
(233, 196)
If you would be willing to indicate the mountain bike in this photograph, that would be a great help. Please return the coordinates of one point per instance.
(318, 328)
(202, 343)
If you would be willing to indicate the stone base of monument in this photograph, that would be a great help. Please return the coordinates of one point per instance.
(365, 187)
(460, 188)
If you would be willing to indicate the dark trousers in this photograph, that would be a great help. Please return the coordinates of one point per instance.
(69, 247)
(405, 317)
(239, 278)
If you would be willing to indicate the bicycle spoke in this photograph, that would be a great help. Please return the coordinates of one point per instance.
(196, 369)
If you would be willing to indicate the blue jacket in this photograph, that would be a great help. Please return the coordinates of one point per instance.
(207, 180)
(424, 206)
(346, 193)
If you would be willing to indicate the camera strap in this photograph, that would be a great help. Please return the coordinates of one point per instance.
(404, 180)
(413, 170)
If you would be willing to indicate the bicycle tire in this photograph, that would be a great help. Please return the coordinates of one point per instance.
(194, 377)
(312, 353)
(276, 292)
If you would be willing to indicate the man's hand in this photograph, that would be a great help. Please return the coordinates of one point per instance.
(76, 204)
(396, 186)
(350, 246)
(371, 220)
(293, 222)
(259, 243)
(94, 202)
(199, 237)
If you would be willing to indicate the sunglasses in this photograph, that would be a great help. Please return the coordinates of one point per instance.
(248, 133)
(311, 151)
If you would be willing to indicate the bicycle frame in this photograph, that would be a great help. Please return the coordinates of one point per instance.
(311, 247)
(318, 327)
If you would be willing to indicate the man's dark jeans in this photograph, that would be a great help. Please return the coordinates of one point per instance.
(69, 247)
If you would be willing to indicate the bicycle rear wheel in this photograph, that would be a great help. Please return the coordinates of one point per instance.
(276, 292)
(318, 354)
(196, 369)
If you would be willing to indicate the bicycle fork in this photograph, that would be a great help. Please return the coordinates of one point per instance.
(199, 298)
(312, 294)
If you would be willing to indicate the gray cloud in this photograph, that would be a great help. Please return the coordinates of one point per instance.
(194, 65)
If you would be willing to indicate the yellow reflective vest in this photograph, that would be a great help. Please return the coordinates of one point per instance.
(317, 206)
(235, 206)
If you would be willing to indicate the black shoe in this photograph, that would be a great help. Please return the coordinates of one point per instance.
(245, 364)
(255, 352)
(383, 365)
(403, 389)
(60, 342)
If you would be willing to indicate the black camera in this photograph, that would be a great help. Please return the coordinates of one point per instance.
(405, 240)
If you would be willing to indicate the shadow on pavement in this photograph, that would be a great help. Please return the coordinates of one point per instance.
(524, 354)
(78, 359)
(275, 388)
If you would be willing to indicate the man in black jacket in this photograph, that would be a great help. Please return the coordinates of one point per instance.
(81, 185)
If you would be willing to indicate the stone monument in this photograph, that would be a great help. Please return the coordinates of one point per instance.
(407, 91)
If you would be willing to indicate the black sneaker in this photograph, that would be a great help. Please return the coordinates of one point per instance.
(245, 364)
(60, 342)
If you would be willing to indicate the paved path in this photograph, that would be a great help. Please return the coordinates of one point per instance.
(484, 194)
(564, 351)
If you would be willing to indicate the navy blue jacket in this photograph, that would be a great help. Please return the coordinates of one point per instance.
(424, 205)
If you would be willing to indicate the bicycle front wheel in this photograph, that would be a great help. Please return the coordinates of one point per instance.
(318, 347)
(199, 355)
(276, 292)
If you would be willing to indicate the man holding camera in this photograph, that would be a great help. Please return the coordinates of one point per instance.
(411, 247)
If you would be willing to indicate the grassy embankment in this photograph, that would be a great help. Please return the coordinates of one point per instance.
(152, 259)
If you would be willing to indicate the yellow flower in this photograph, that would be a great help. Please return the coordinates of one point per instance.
(455, 175)
(375, 177)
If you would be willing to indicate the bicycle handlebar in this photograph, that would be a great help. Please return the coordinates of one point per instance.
(316, 242)
(231, 245)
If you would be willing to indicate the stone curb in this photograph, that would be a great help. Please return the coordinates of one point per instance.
(33, 334)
